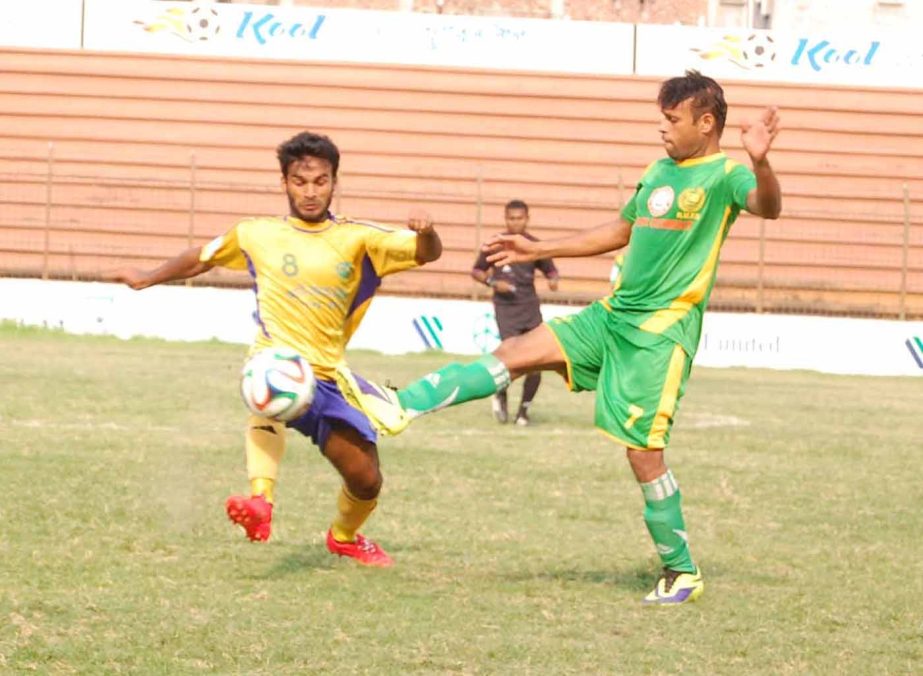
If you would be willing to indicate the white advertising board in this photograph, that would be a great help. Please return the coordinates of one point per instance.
(40, 23)
(404, 325)
(357, 36)
(861, 57)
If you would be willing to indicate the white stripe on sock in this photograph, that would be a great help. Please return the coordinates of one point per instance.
(500, 374)
(660, 488)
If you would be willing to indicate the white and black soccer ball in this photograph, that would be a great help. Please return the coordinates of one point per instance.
(202, 23)
(758, 50)
(277, 383)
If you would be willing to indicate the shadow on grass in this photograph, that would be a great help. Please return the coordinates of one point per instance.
(296, 561)
(640, 578)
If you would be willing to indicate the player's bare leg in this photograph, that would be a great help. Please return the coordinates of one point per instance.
(357, 462)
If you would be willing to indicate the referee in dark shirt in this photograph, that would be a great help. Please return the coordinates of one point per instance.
(516, 304)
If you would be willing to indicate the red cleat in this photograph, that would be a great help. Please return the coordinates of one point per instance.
(254, 514)
(362, 550)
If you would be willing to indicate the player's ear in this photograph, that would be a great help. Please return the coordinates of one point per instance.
(706, 123)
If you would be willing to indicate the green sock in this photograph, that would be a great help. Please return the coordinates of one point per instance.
(455, 384)
(663, 515)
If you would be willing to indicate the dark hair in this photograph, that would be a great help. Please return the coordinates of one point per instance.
(516, 204)
(307, 144)
(706, 94)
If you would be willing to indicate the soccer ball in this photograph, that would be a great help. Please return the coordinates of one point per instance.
(277, 383)
(758, 51)
(202, 23)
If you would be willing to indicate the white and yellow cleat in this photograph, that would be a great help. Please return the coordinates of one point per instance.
(380, 404)
(675, 587)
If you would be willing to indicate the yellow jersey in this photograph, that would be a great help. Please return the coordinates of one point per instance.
(313, 281)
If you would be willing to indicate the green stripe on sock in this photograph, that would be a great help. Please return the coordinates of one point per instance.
(665, 523)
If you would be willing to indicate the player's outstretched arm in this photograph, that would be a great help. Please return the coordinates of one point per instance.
(429, 246)
(183, 266)
(766, 199)
(503, 248)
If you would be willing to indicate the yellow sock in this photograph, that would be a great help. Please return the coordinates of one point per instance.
(262, 486)
(351, 514)
(265, 445)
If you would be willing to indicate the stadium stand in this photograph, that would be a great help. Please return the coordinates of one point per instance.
(112, 158)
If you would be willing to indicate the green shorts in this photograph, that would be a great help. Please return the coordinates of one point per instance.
(639, 377)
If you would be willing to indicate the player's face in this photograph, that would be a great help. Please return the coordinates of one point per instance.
(683, 136)
(516, 220)
(309, 184)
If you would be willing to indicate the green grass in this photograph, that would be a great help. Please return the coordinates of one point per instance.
(519, 551)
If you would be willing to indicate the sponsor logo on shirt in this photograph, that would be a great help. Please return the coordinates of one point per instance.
(660, 200)
(344, 270)
(690, 202)
(664, 223)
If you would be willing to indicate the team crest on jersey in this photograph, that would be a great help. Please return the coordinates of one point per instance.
(660, 200)
(344, 270)
(691, 200)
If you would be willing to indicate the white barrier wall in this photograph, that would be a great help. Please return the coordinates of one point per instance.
(41, 23)
(401, 325)
(358, 36)
(863, 56)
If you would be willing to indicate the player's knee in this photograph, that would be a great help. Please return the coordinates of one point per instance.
(365, 485)
(506, 352)
(647, 465)
(536, 349)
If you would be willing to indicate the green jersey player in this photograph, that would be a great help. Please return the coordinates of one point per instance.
(634, 348)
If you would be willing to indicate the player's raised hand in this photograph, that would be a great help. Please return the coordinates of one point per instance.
(505, 248)
(420, 221)
(757, 137)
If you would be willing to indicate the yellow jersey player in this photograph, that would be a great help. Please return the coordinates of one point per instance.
(314, 275)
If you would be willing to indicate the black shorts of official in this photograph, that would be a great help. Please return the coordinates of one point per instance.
(517, 319)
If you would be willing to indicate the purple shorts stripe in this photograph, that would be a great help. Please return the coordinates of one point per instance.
(330, 410)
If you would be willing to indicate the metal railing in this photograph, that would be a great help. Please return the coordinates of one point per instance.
(52, 224)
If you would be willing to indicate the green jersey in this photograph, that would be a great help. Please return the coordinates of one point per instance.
(681, 214)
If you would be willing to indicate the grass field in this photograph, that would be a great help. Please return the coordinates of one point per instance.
(519, 551)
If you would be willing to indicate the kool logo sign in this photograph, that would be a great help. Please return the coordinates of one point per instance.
(263, 27)
(820, 54)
